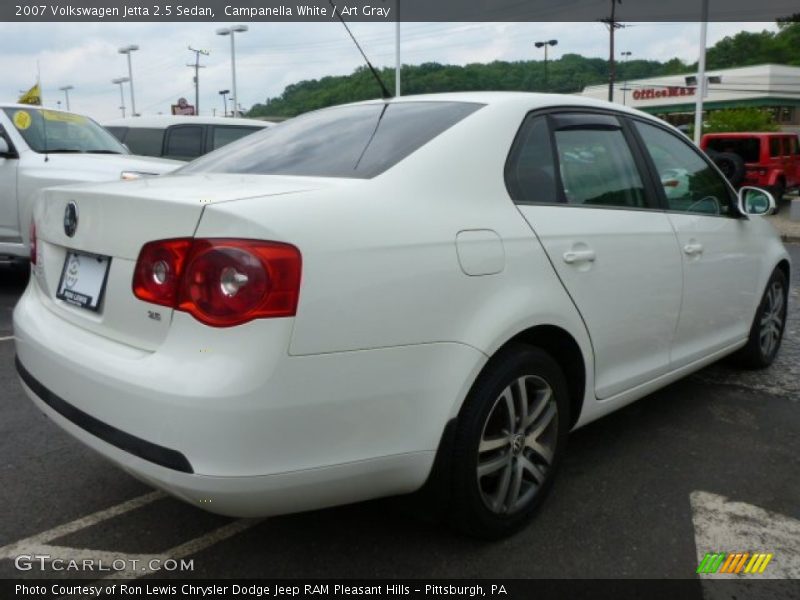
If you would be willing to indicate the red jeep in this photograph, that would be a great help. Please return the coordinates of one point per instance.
(765, 160)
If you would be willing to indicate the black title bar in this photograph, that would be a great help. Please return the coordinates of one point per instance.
(391, 10)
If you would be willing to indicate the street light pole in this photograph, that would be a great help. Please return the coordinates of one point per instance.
(545, 46)
(119, 81)
(128, 50)
(231, 31)
(625, 56)
(224, 94)
(66, 90)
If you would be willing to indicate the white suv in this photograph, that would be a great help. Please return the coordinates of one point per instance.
(42, 147)
(369, 297)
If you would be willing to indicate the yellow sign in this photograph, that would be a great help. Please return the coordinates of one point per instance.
(22, 120)
(32, 96)
(52, 115)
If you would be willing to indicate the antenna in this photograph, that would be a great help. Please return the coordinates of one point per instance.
(385, 93)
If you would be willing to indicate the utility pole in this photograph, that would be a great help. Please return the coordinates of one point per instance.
(612, 25)
(197, 66)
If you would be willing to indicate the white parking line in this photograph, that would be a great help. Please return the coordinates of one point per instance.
(7, 338)
(139, 564)
(43, 538)
(183, 550)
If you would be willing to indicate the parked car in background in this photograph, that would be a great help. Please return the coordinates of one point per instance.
(374, 296)
(768, 160)
(180, 138)
(44, 147)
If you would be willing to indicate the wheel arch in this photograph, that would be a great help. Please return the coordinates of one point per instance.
(565, 350)
(784, 266)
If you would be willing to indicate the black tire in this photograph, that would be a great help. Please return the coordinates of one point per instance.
(732, 166)
(532, 460)
(778, 190)
(758, 355)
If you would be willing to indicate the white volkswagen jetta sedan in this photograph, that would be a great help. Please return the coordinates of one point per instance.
(375, 296)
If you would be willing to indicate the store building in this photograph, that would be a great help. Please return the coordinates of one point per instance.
(672, 98)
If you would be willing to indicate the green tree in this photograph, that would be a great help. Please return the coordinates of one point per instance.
(740, 119)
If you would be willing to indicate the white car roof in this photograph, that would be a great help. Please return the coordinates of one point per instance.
(529, 100)
(163, 121)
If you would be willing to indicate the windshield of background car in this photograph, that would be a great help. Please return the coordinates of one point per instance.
(359, 141)
(55, 131)
(748, 148)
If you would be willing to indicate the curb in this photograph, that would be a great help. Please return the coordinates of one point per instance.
(790, 239)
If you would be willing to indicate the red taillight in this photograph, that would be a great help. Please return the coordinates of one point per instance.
(158, 271)
(221, 282)
(32, 241)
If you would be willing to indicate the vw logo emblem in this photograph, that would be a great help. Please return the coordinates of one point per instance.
(517, 444)
(71, 219)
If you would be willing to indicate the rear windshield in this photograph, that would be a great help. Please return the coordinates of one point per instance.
(359, 141)
(747, 148)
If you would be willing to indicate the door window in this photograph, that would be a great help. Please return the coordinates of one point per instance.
(775, 147)
(689, 182)
(598, 169)
(145, 141)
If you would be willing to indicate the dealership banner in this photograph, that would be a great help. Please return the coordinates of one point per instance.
(393, 10)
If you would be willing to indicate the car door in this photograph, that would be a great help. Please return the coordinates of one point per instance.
(794, 162)
(9, 217)
(583, 192)
(719, 251)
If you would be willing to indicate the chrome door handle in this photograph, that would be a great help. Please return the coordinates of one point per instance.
(574, 256)
(693, 248)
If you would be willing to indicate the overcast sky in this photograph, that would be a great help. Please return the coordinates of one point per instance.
(271, 56)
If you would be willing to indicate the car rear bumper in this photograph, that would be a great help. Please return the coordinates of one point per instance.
(232, 422)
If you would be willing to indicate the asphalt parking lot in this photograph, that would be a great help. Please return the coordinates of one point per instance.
(708, 464)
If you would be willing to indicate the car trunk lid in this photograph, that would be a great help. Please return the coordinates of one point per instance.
(114, 221)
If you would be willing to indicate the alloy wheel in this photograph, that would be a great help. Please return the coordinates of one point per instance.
(517, 444)
(772, 319)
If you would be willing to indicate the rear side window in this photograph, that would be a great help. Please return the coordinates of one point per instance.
(184, 142)
(224, 135)
(359, 141)
(145, 141)
(775, 148)
(530, 170)
(748, 148)
(689, 182)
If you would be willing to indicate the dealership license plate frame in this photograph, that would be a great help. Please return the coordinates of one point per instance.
(80, 297)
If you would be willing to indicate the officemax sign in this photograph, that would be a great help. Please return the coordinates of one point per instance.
(665, 92)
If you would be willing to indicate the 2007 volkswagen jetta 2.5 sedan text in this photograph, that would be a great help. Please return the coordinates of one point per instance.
(372, 299)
